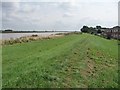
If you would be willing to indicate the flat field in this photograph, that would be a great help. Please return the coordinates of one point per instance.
(77, 60)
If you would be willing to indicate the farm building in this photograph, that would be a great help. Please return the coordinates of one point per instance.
(112, 32)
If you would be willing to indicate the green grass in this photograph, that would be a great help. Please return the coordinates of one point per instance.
(71, 61)
(0, 67)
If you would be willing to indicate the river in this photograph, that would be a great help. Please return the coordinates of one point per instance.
(6, 36)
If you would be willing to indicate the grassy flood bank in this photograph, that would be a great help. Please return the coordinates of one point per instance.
(75, 60)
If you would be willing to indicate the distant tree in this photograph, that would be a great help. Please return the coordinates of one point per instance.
(98, 27)
(92, 32)
(85, 29)
(99, 31)
(8, 30)
(108, 36)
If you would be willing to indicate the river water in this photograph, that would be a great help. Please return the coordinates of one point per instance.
(6, 36)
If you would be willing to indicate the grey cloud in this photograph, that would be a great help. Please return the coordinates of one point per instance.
(61, 25)
(47, 15)
(65, 6)
(9, 6)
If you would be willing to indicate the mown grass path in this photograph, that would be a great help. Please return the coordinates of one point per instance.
(80, 60)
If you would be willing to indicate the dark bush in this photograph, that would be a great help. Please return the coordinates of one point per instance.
(108, 36)
(34, 35)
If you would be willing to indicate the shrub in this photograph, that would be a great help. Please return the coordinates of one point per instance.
(34, 35)
(108, 36)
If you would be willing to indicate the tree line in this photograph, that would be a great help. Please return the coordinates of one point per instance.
(96, 30)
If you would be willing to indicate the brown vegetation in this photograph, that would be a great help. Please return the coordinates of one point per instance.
(27, 39)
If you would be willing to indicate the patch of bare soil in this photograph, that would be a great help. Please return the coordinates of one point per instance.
(90, 69)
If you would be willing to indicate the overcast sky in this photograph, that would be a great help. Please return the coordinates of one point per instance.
(54, 15)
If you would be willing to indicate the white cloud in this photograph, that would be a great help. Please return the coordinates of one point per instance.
(60, 1)
(58, 15)
(67, 14)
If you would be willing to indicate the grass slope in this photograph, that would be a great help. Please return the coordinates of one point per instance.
(72, 61)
